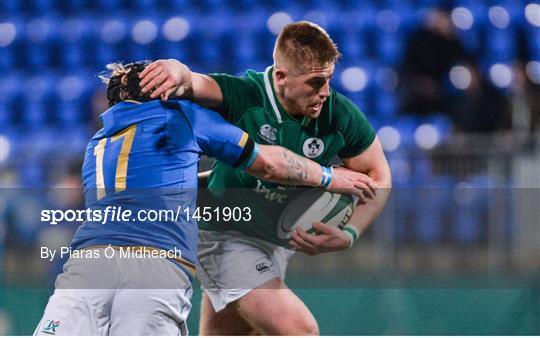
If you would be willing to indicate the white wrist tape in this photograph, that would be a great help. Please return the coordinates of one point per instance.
(327, 176)
(351, 231)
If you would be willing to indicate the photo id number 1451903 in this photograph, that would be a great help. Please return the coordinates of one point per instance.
(225, 214)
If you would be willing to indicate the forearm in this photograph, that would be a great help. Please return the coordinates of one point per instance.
(198, 87)
(205, 91)
(366, 214)
(281, 165)
(373, 163)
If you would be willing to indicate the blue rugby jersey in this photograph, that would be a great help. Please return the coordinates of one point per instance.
(146, 158)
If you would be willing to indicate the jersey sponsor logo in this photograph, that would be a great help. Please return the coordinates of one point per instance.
(278, 194)
(268, 133)
(313, 147)
(263, 264)
(50, 327)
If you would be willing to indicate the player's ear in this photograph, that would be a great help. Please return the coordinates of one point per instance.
(281, 75)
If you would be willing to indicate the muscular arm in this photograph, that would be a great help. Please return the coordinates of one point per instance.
(280, 165)
(206, 91)
(373, 163)
(171, 78)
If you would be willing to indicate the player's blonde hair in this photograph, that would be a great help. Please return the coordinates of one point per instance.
(307, 45)
(123, 82)
(115, 69)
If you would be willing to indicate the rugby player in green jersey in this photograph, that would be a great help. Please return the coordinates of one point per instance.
(242, 264)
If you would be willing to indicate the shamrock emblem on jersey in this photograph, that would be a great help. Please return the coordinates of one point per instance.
(313, 147)
(268, 133)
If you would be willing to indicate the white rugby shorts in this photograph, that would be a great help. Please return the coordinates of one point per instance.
(231, 264)
(118, 296)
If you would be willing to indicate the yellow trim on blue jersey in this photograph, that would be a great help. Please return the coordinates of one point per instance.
(243, 140)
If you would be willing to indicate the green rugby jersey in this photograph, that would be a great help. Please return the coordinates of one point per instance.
(250, 102)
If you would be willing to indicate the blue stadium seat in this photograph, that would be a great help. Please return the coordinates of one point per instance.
(354, 46)
(515, 11)
(389, 48)
(243, 52)
(73, 54)
(139, 7)
(178, 50)
(73, 140)
(435, 197)
(39, 7)
(468, 220)
(11, 7)
(68, 114)
(361, 100)
(443, 124)
(40, 33)
(4, 116)
(8, 60)
(472, 203)
(478, 9)
(422, 168)
(104, 54)
(23, 212)
(386, 105)
(533, 35)
(401, 169)
(11, 85)
(34, 114)
(404, 211)
(206, 51)
(406, 126)
(72, 92)
(265, 44)
(405, 12)
(11, 93)
(324, 13)
(31, 175)
(103, 6)
(471, 40)
(501, 45)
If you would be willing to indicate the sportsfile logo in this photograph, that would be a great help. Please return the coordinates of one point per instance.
(50, 327)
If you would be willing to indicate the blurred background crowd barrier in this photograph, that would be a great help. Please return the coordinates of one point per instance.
(451, 87)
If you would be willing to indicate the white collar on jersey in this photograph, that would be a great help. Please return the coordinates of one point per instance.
(270, 92)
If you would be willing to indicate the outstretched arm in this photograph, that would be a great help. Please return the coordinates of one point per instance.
(229, 144)
(280, 165)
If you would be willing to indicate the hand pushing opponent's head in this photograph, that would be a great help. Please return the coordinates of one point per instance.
(123, 82)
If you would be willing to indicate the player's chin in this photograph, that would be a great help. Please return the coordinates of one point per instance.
(313, 113)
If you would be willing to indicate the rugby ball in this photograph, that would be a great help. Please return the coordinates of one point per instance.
(315, 205)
